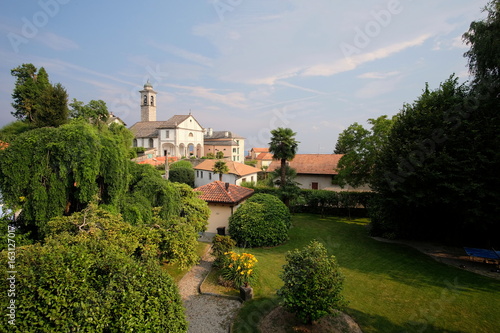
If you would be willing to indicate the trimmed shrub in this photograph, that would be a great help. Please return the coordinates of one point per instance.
(263, 220)
(220, 245)
(312, 283)
(182, 175)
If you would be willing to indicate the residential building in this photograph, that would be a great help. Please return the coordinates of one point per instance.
(180, 136)
(314, 171)
(231, 144)
(238, 173)
(223, 200)
(262, 156)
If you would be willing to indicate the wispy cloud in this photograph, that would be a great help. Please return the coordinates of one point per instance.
(184, 54)
(234, 99)
(377, 75)
(351, 63)
(57, 42)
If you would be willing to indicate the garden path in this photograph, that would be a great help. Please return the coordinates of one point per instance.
(205, 313)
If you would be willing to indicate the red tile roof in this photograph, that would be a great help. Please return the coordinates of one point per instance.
(216, 192)
(158, 160)
(235, 168)
(264, 156)
(315, 164)
(260, 150)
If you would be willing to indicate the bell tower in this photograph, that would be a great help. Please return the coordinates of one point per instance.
(148, 103)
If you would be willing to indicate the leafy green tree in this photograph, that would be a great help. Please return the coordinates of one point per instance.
(94, 273)
(291, 189)
(219, 155)
(36, 100)
(263, 220)
(484, 53)
(435, 177)
(48, 172)
(93, 111)
(11, 131)
(360, 148)
(221, 168)
(182, 175)
(313, 283)
(181, 164)
(194, 209)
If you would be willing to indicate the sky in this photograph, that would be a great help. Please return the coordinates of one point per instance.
(247, 66)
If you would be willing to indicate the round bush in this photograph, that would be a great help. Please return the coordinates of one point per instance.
(84, 288)
(263, 220)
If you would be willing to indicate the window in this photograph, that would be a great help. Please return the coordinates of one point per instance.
(210, 176)
(190, 135)
(234, 150)
(134, 143)
(201, 172)
(167, 134)
(151, 143)
(315, 186)
(145, 100)
(197, 173)
(152, 100)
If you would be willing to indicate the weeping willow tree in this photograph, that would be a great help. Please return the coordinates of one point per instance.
(49, 172)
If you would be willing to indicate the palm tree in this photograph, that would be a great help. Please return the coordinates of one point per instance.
(283, 146)
(220, 167)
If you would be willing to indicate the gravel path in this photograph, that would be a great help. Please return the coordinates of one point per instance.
(205, 313)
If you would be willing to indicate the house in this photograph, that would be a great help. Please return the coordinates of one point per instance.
(314, 171)
(112, 119)
(238, 173)
(180, 136)
(231, 144)
(223, 200)
(262, 156)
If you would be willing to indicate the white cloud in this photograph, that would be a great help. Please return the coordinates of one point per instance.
(184, 54)
(56, 42)
(378, 75)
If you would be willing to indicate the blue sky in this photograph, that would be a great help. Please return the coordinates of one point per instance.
(242, 65)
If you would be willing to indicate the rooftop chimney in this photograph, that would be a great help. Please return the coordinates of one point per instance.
(226, 186)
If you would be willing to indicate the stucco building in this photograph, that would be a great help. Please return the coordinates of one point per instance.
(180, 136)
(238, 173)
(231, 144)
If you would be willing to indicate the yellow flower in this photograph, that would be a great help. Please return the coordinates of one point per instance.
(242, 272)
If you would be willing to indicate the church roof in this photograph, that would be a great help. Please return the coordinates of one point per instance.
(223, 192)
(149, 129)
(223, 135)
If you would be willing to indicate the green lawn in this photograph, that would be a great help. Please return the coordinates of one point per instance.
(390, 287)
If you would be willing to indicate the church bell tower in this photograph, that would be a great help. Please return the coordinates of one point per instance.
(148, 103)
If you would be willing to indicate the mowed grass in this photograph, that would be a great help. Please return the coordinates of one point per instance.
(390, 287)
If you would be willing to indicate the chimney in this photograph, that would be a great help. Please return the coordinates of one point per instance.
(226, 186)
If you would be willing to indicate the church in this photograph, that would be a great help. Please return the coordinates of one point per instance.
(180, 136)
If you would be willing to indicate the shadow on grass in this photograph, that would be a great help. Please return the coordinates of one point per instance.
(355, 250)
(376, 323)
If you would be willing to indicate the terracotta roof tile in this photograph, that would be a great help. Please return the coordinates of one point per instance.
(317, 164)
(235, 168)
(217, 192)
(260, 150)
(264, 156)
(158, 160)
(3, 144)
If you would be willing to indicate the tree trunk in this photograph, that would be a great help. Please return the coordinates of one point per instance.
(283, 173)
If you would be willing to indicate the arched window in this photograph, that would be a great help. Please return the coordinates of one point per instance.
(152, 100)
(145, 99)
(190, 135)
